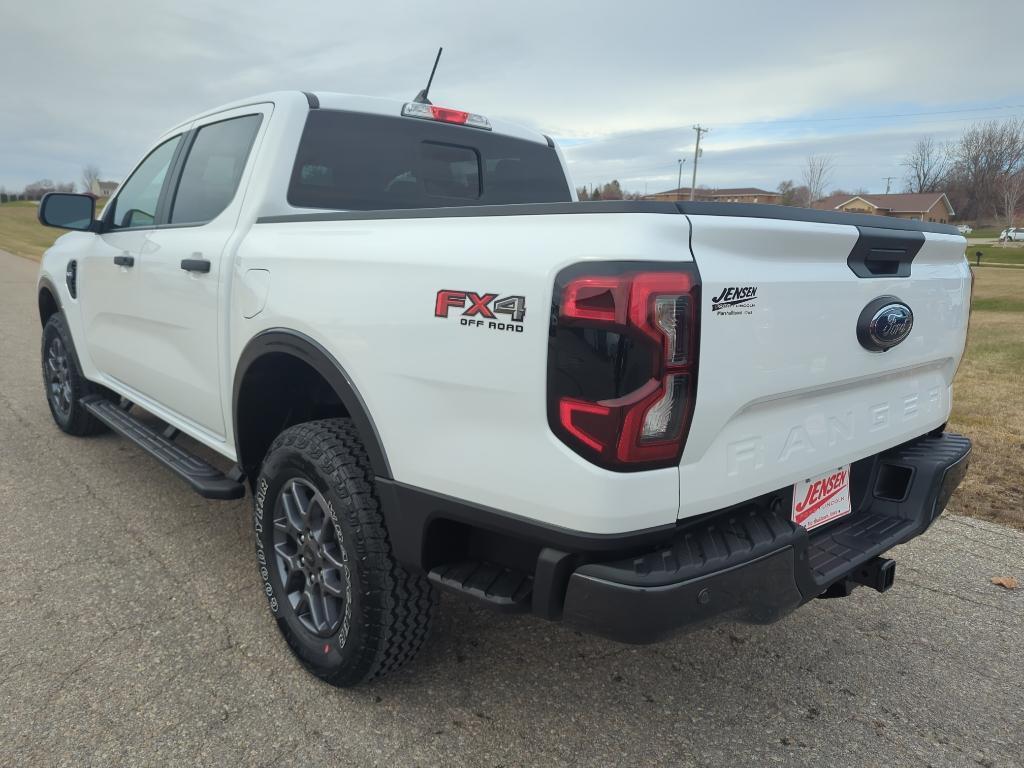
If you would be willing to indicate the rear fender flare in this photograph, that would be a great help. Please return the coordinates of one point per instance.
(309, 351)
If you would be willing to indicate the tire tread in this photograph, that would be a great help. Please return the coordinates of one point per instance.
(80, 422)
(398, 606)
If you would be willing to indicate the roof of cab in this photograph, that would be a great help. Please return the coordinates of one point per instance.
(354, 103)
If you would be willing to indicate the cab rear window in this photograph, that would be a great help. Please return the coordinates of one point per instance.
(353, 161)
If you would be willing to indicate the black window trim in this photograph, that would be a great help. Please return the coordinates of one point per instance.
(163, 210)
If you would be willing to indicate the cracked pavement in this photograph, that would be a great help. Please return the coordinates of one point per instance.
(135, 632)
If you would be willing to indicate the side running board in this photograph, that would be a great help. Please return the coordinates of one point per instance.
(205, 479)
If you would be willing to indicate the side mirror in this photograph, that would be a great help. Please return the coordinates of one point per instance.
(67, 211)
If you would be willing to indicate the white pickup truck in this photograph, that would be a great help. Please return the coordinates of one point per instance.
(433, 367)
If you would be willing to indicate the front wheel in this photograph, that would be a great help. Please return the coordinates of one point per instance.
(64, 382)
(348, 610)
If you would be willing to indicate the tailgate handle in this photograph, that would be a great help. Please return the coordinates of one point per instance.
(884, 261)
(124, 260)
(881, 252)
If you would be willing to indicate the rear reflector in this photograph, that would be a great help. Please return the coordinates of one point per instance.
(445, 115)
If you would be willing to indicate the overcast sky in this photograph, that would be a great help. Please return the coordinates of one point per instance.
(619, 84)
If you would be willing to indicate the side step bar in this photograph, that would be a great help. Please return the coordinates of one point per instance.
(205, 479)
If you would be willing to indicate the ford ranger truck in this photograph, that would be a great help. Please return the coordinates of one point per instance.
(432, 367)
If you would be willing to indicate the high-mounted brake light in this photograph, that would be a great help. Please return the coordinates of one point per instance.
(445, 115)
(633, 334)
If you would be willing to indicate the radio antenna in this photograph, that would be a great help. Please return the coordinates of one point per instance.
(421, 97)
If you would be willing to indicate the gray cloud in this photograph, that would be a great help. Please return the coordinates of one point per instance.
(87, 82)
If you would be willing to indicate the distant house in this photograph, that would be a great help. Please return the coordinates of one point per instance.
(926, 206)
(730, 195)
(103, 188)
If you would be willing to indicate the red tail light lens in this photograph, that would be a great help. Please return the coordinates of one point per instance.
(636, 333)
(446, 115)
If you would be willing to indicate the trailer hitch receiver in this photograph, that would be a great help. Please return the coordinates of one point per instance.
(878, 574)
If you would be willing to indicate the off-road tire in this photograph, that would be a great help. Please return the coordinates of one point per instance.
(65, 406)
(388, 610)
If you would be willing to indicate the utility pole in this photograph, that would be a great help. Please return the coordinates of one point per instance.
(888, 180)
(679, 181)
(696, 154)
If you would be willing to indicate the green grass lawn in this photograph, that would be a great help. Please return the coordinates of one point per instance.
(992, 231)
(988, 401)
(996, 254)
(21, 232)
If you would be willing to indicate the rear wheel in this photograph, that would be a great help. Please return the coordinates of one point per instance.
(64, 382)
(348, 610)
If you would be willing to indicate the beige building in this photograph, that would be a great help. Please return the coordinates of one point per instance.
(103, 188)
(734, 195)
(926, 206)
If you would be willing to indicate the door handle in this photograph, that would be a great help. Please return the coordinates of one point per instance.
(124, 261)
(196, 265)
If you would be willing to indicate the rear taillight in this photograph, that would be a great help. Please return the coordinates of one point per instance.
(622, 367)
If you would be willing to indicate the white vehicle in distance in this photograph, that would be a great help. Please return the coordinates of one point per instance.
(1012, 235)
(964, 229)
(431, 367)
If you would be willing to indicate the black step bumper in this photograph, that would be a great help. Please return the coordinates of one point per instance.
(752, 564)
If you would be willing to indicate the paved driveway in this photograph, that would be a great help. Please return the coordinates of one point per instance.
(134, 632)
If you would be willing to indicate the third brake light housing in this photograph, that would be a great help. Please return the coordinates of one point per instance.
(445, 115)
(622, 362)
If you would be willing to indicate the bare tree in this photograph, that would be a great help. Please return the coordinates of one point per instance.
(983, 156)
(926, 166)
(90, 173)
(817, 175)
(792, 194)
(1011, 192)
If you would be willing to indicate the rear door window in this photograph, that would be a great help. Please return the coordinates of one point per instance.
(351, 161)
(213, 169)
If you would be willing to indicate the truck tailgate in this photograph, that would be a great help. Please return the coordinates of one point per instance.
(786, 390)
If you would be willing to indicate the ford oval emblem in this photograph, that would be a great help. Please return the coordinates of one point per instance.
(884, 323)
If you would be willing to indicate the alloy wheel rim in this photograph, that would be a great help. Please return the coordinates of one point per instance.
(58, 376)
(311, 562)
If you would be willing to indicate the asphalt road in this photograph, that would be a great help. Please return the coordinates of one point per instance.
(135, 633)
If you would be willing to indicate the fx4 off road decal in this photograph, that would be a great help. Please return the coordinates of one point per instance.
(735, 300)
(481, 310)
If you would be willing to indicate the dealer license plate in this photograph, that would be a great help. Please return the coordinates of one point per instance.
(822, 499)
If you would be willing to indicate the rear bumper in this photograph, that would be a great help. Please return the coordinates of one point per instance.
(752, 564)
